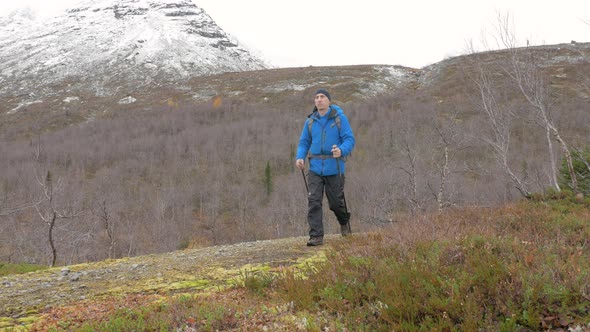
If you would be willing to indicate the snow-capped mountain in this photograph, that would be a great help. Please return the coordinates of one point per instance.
(108, 45)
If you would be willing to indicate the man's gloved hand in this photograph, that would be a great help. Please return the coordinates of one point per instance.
(300, 163)
(336, 152)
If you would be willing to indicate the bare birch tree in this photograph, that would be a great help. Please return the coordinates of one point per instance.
(449, 140)
(411, 170)
(103, 213)
(49, 212)
(47, 206)
(499, 118)
(535, 88)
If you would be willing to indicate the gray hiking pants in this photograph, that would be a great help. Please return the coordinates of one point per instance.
(334, 186)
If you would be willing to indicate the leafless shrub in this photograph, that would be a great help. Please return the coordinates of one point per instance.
(159, 179)
(51, 206)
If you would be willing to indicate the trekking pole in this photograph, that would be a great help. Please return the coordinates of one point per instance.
(343, 196)
(305, 180)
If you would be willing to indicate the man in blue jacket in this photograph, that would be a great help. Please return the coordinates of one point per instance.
(328, 139)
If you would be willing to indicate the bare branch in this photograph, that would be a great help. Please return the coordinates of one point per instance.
(5, 211)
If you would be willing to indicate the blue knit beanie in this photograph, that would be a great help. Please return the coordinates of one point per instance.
(325, 93)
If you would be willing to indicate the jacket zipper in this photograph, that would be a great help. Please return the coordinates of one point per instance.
(323, 141)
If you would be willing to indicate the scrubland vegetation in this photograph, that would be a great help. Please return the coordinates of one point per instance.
(468, 189)
(521, 267)
(188, 174)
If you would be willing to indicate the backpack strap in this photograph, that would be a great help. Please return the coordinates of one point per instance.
(337, 120)
(334, 114)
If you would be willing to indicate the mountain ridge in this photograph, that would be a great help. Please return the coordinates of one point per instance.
(103, 57)
(101, 46)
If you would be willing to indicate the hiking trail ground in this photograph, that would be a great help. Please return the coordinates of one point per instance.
(24, 298)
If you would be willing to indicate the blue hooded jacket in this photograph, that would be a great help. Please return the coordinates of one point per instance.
(324, 134)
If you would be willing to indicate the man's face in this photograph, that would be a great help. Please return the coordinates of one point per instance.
(322, 102)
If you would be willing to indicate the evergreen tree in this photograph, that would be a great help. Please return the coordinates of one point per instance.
(581, 162)
(268, 179)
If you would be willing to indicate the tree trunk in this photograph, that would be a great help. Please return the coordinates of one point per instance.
(443, 177)
(51, 243)
(412, 178)
(552, 160)
(520, 186)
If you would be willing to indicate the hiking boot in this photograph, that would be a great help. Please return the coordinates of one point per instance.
(345, 229)
(315, 241)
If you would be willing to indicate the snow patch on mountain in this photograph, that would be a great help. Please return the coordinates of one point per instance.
(109, 45)
(127, 100)
(23, 105)
(71, 99)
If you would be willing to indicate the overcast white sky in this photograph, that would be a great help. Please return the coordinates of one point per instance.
(408, 33)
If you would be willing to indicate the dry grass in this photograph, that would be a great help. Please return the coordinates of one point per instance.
(525, 266)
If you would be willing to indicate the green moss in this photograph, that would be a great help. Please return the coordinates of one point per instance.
(10, 268)
(190, 284)
(28, 320)
(6, 322)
